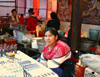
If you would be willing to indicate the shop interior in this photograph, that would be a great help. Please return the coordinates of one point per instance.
(20, 49)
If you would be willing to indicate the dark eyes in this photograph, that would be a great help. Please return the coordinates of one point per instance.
(45, 35)
(48, 35)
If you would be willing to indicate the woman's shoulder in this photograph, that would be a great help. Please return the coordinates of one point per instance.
(29, 18)
(51, 20)
(9, 17)
(62, 44)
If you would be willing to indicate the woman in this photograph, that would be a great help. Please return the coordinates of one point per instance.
(55, 52)
(14, 19)
(55, 22)
(32, 21)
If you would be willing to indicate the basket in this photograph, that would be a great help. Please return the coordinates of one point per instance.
(79, 71)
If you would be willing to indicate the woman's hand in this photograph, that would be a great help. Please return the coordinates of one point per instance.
(42, 63)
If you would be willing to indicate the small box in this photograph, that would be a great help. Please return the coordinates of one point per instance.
(10, 55)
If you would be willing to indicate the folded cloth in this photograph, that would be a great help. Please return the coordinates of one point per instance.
(92, 61)
(90, 52)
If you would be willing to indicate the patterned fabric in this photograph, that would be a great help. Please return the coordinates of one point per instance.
(60, 49)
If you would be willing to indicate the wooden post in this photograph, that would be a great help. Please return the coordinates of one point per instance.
(77, 8)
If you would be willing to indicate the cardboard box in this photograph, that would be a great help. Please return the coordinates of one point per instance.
(90, 73)
(10, 55)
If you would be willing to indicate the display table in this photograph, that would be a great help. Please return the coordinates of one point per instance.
(36, 46)
(23, 47)
(26, 48)
(34, 70)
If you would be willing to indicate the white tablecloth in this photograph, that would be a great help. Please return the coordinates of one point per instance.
(39, 72)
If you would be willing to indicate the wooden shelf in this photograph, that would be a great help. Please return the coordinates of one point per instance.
(4, 25)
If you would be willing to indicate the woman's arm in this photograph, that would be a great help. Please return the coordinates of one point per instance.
(12, 21)
(56, 62)
(43, 60)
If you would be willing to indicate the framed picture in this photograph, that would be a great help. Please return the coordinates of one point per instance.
(64, 9)
(91, 12)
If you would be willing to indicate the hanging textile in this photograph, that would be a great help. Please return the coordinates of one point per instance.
(36, 6)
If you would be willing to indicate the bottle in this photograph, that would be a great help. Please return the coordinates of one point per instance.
(15, 48)
(0, 52)
(0, 31)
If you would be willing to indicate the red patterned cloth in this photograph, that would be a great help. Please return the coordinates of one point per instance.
(93, 48)
(60, 49)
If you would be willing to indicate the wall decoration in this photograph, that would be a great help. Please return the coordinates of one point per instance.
(51, 7)
(91, 12)
(36, 6)
(64, 9)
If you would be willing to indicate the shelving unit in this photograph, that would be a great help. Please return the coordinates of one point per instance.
(4, 25)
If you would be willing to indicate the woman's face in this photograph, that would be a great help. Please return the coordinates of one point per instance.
(14, 13)
(50, 39)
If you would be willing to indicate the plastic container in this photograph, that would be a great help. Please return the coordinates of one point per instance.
(62, 33)
(38, 43)
(93, 34)
(84, 21)
(87, 43)
(41, 46)
(19, 36)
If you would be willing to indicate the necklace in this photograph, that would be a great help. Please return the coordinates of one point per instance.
(50, 48)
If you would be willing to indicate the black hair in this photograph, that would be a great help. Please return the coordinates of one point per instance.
(13, 10)
(53, 31)
(31, 10)
(53, 15)
(21, 15)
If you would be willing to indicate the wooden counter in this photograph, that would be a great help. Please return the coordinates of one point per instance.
(4, 25)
